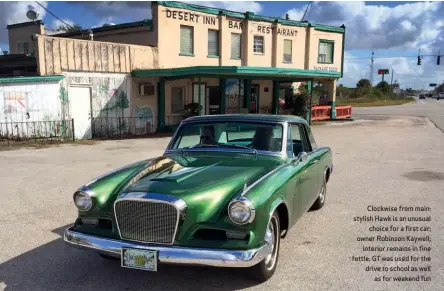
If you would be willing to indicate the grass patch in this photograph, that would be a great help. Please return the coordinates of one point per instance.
(374, 102)
(42, 145)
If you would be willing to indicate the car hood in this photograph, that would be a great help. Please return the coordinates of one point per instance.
(204, 182)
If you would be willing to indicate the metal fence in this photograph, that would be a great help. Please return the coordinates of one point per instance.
(119, 127)
(36, 131)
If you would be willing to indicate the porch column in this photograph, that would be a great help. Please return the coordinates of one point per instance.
(331, 88)
(222, 88)
(275, 103)
(247, 93)
(310, 92)
(161, 105)
(198, 92)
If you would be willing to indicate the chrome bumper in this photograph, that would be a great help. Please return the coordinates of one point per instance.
(171, 254)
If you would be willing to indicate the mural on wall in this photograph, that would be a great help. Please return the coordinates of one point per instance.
(144, 119)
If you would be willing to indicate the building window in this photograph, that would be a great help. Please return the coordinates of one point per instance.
(258, 45)
(213, 43)
(186, 40)
(146, 90)
(326, 51)
(177, 99)
(288, 48)
(236, 41)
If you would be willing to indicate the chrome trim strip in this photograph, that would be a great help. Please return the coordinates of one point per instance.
(178, 203)
(225, 150)
(170, 254)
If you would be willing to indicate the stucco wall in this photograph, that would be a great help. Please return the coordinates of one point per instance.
(305, 41)
(57, 55)
(23, 34)
(134, 35)
(315, 36)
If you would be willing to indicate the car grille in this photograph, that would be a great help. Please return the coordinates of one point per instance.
(146, 221)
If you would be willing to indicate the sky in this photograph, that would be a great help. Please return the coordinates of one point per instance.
(388, 28)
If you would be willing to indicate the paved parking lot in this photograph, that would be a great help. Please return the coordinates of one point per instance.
(381, 163)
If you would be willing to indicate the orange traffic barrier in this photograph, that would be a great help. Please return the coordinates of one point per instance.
(324, 112)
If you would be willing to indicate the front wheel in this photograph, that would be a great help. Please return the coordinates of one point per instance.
(265, 269)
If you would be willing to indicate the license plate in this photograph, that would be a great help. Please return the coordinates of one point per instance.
(139, 259)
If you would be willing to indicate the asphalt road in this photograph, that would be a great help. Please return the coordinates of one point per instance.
(431, 108)
(379, 163)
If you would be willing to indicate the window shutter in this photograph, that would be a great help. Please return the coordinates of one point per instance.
(213, 42)
(287, 50)
(186, 39)
(235, 46)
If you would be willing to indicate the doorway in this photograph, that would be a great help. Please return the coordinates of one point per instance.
(80, 109)
(254, 101)
(213, 100)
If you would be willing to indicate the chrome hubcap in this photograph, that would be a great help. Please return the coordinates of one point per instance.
(322, 194)
(270, 239)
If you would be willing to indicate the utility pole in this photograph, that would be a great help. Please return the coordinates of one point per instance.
(391, 83)
(371, 74)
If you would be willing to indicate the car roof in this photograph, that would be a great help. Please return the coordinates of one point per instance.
(246, 117)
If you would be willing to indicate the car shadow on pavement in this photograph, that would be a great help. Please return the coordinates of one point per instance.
(57, 266)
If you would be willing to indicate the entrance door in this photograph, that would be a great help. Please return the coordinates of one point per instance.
(213, 100)
(80, 108)
(202, 96)
(254, 105)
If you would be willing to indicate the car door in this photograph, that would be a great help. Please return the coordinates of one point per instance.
(305, 173)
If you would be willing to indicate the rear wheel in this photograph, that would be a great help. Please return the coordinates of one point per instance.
(265, 269)
(320, 201)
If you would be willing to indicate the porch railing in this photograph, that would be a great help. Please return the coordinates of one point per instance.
(36, 131)
(109, 127)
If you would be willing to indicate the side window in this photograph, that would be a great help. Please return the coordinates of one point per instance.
(311, 138)
(290, 152)
(299, 140)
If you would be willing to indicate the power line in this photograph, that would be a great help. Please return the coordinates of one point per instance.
(388, 57)
(306, 10)
(53, 14)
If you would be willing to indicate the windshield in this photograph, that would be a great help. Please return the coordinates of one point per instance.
(242, 135)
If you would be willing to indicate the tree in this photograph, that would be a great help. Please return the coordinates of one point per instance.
(72, 28)
(384, 87)
(363, 83)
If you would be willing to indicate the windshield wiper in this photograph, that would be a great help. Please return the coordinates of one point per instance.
(239, 147)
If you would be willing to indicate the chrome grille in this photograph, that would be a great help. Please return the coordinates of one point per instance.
(146, 221)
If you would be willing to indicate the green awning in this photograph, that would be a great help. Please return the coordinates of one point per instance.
(242, 71)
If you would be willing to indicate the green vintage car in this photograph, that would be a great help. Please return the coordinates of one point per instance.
(224, 193)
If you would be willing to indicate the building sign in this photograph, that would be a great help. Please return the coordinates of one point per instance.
(235, 24)
(326, 69)
(278, 31)
(191, 17)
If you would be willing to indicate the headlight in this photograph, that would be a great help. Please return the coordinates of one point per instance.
(83, 201)
(241, 211)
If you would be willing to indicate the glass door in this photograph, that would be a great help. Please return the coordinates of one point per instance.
(254, 101)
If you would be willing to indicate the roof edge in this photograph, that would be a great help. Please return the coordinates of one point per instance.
(25, 24)
(31, 79)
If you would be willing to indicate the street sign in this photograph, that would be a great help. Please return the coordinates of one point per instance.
(383, 72)
(433, 85)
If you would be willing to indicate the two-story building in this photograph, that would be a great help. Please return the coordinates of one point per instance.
(191, 54)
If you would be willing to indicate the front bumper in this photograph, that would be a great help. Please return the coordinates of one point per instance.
(171, 254)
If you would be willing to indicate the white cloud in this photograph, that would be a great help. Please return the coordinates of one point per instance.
(107, 10)
(239, 6)
(12, 12)
(57, 23)
(403, 27)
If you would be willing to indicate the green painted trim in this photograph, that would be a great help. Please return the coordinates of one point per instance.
(31, 79)
(333, 109)
(213, 57)
(186, 55)
(234, 70)
(24, 24)
(343, 53)
(222, 89)
(192, 91)
(239, 96)
(310, 92)
(275, 102)
(332, 53)
(234, 14)
(329, 28)
(249, 77)
(161, 105)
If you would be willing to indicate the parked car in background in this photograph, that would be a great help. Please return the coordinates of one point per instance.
(223, 194)
(440, 96)
(422, 96)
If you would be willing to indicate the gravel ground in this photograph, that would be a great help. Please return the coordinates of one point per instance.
(389, 162)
